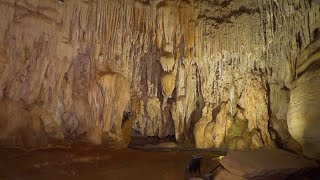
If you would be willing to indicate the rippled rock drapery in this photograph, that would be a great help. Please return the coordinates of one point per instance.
(303, 114)
(216, 71)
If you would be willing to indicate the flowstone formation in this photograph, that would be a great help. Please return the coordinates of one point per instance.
(216, 72)
(303, 114)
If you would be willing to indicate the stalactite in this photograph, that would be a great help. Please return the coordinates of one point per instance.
(172, 57)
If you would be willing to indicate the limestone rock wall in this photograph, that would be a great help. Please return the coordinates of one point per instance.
(216, 71)
(248, 66)
(303, 114)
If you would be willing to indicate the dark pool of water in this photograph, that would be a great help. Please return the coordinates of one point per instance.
(86, 162)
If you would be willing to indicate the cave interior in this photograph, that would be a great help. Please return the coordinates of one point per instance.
(159, 89)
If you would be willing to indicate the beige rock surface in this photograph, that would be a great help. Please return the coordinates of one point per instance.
(218, 72)
(303, 113)
(19, 127)
(265, 164)
(51, 128)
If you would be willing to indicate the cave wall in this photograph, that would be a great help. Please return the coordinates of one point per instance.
(253, 50)
(216, 72)
(303, 111)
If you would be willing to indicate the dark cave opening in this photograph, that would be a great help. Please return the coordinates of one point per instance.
(140, 141)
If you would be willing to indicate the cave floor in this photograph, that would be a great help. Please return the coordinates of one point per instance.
(87, 162)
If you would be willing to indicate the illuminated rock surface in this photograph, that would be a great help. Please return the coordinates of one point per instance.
(264, 164)
(303, 114)
(216, 72)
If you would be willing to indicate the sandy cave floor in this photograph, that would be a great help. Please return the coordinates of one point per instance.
(87, 162)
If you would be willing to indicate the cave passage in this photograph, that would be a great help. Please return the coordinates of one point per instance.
(159, 89)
